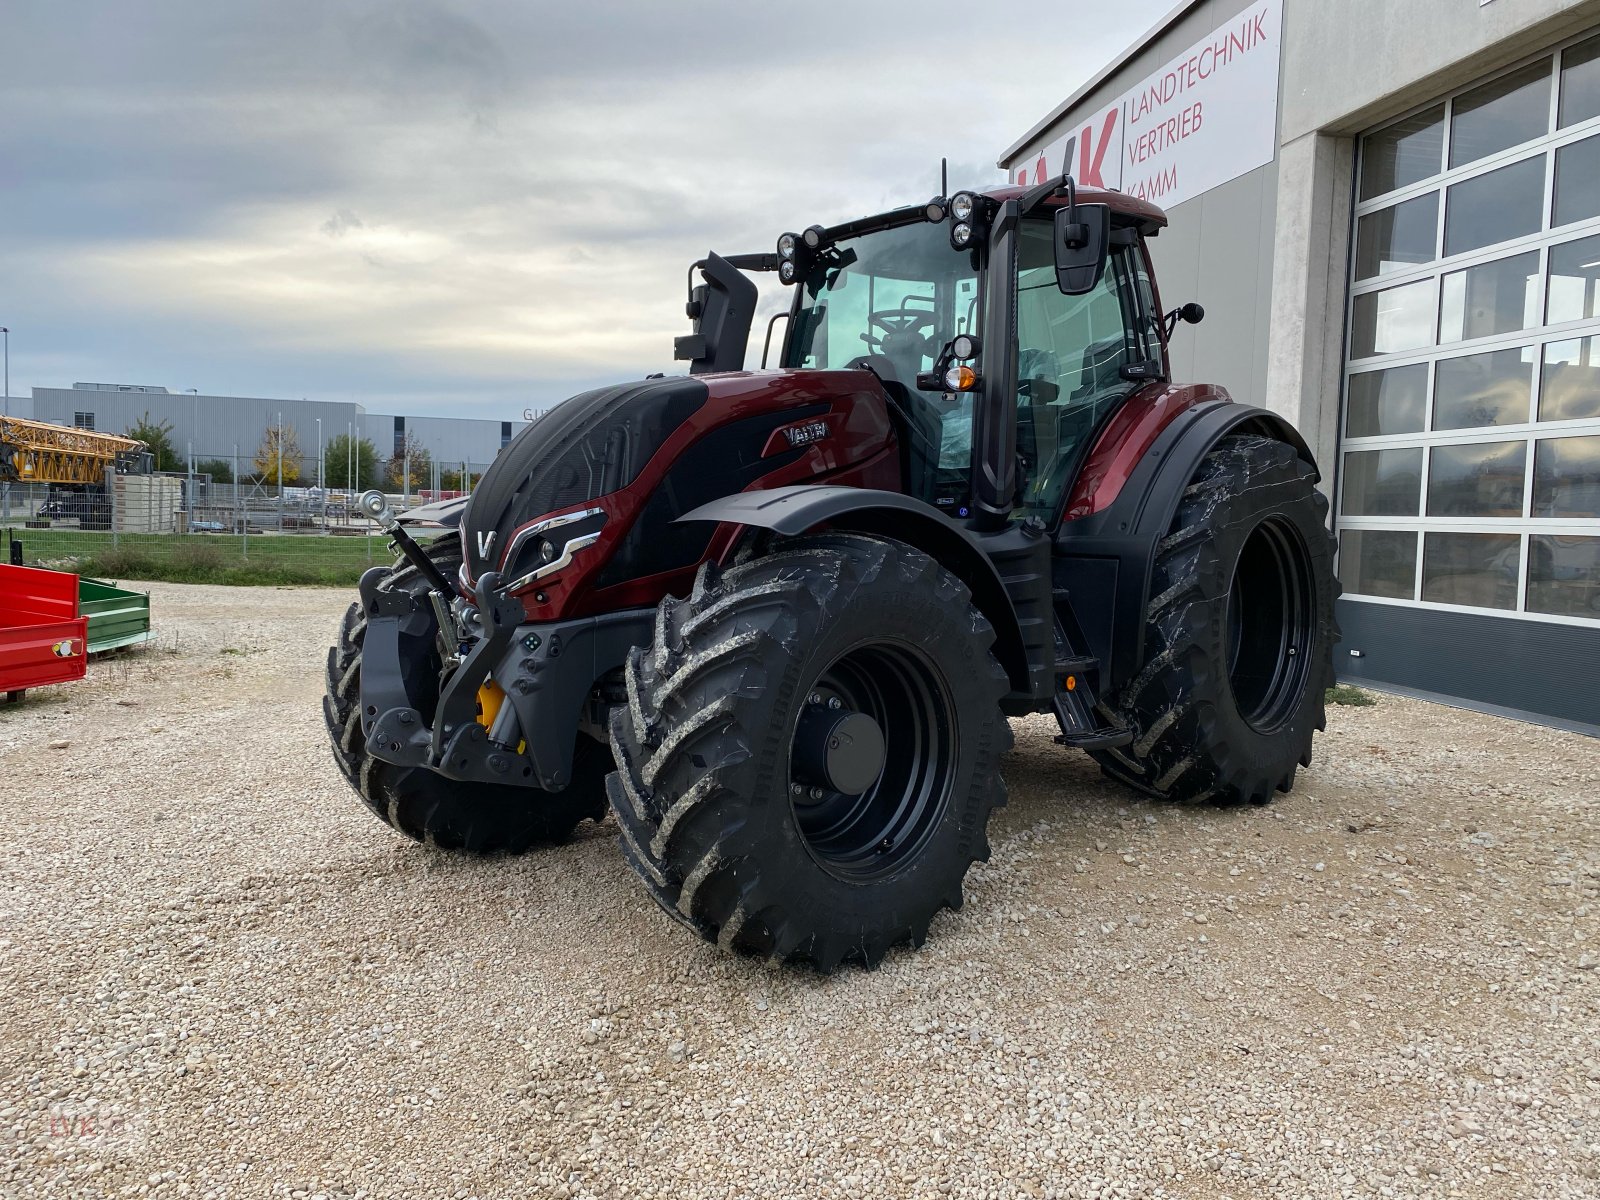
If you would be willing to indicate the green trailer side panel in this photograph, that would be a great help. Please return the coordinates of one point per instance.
(117, 617)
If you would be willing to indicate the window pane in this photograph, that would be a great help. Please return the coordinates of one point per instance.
(1382, 483)
(1564, 576)
(1483, 479)
(1569, 389)
(1580, 82)
(1392, 401)
(1405, 152)
(1577, 182)
(1479, 569)
(1483, 389)
(1498, 297)
(1495, 207)
(1399, 318)
(1574, 272)
(1378, 562)
(1514, 108)
(1392, 238)
(1070, 351)
(1566, 477)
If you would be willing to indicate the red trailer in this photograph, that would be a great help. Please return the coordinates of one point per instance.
(43, 639)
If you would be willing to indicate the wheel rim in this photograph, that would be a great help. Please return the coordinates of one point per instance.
(873, 833)
(1270, 625)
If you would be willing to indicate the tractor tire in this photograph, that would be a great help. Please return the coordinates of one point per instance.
(810, 751)
(450, 814)
(1239, 634)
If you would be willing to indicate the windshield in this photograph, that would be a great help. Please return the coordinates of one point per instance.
(896, 298)
(901, 294)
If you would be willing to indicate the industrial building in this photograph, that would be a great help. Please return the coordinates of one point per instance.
(1390, 210)
(216, 427)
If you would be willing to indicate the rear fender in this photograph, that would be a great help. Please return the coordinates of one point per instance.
(1105, 558)
(791, 511)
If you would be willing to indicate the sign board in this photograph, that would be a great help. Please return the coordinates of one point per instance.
(1206, 117)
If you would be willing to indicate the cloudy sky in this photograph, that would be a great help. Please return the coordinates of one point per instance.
(437, 206)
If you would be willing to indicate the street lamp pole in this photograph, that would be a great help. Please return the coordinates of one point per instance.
(322, 492)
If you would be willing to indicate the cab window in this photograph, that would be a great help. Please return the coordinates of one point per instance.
(1071, 351)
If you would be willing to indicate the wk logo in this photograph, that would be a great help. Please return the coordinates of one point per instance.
(1084, 155)
(485, 542)
(1091, 151)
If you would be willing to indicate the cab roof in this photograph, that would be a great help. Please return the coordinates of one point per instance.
(1147, 216)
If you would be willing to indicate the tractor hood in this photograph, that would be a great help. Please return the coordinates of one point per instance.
(736, 427)
(586, 447)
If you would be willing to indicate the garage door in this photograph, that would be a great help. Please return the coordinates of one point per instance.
(1469, 483)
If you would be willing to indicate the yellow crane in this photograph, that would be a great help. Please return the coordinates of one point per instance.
(38, 452)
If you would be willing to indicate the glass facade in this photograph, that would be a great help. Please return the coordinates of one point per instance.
(1470, 446)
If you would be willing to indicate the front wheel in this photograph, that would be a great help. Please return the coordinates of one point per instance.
(809, 753)
(1239, 634)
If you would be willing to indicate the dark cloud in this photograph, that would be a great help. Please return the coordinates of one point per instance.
(425, 204)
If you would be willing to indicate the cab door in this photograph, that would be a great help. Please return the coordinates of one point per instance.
(1078, 359)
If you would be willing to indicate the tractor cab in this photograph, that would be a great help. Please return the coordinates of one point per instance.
(1005, 326)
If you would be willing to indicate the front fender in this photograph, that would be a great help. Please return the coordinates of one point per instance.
(791, 511)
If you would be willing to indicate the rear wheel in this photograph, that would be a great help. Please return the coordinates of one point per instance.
(449, 813)
(809, 754)
(1239, 634)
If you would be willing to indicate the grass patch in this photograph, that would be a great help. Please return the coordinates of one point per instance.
(1353, 697)
(262, 560)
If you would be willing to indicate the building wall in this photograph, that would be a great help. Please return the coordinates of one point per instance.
(1273, 248)
(1217, 250)
(215, 425)
(1346, 68)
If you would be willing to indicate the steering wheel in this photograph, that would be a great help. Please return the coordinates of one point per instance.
(895, 323)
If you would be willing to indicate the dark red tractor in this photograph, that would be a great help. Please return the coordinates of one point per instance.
(779, 618)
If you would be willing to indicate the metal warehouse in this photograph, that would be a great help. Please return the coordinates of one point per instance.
(1396, 239)
(221, 426)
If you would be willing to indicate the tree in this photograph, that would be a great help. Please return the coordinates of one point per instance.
(421, 463)
(280, 446)
(337, 456)
(157, 439)
(220, 469)
(452, 480)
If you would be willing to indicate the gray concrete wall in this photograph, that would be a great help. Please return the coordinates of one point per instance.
(1352, 64)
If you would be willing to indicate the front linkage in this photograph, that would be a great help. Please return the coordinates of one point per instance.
(545, 673)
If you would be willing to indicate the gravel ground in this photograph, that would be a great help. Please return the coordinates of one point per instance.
(222, 977)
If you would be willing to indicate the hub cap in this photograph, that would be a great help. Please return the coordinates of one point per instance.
(872, 760)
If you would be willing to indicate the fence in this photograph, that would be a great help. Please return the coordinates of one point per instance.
(170, 526)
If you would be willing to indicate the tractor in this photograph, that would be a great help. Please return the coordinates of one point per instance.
(775, 621)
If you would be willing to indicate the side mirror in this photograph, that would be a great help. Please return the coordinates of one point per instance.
(1082, 240)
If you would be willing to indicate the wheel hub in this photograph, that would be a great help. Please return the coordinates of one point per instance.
(872, 760)
(837, 749)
